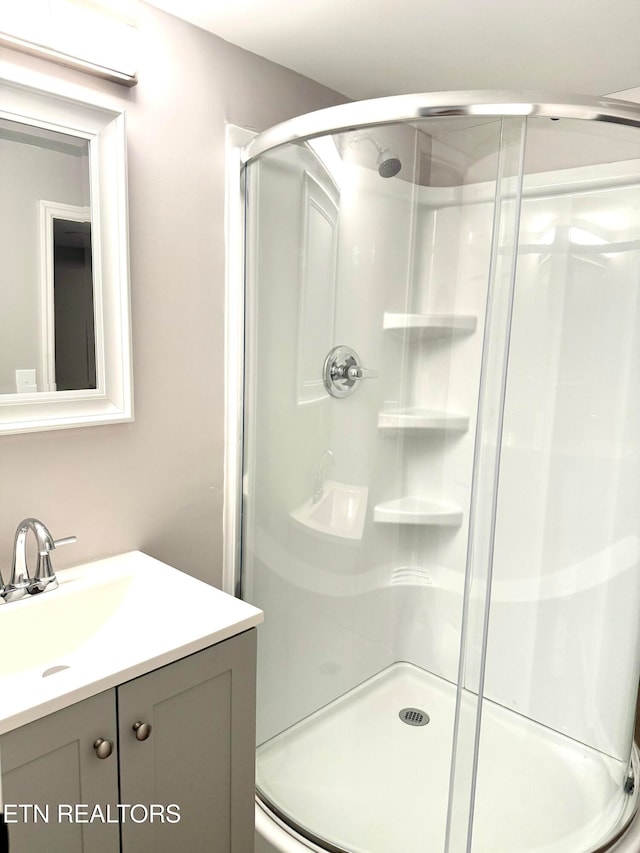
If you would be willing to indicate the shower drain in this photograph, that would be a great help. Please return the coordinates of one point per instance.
(414, 716)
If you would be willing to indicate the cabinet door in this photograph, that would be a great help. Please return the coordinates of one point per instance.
(199, 755)
(52, 763)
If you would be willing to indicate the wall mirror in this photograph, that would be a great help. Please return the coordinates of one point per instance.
(65, 341)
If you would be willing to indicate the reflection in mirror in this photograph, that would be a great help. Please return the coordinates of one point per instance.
(65, 340)
(38, 165)
(75, 342)
(67, 321)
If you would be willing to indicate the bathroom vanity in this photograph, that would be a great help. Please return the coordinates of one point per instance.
(103, 754)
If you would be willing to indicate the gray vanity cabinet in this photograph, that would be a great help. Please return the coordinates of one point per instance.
(199, 755)
(184, 736)
(51, 763)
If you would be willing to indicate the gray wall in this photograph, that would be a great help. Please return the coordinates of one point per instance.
(157, 484)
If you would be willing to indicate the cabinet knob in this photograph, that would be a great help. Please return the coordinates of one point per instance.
(142, 730)
(103, 747)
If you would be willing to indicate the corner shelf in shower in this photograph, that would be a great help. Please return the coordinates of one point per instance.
(391, 420)
(430, 325)
(411, 510)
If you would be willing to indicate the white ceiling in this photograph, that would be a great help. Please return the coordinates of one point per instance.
(371, 48)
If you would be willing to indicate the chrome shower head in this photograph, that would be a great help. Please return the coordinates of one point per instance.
(388, 163)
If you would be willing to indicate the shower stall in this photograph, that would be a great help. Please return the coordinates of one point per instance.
(441, 474)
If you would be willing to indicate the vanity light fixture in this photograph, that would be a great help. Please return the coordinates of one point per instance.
(94, 36)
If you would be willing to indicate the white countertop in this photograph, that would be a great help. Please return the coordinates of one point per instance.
(109, 621)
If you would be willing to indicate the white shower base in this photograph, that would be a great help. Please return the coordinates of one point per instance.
(355, 775)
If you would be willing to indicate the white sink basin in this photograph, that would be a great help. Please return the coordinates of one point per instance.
(107, 622)
(341, 511)
(48, 626)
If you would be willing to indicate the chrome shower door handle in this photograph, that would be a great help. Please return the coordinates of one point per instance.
(342, 371)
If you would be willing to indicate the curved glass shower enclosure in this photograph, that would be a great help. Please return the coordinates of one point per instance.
(441, 484)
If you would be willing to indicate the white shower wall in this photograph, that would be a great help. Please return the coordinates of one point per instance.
(452, 251)
(322, 594)
(346, 610)
(566, 554)
(566, 585)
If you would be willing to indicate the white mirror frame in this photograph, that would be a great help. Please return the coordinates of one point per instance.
(112, 400)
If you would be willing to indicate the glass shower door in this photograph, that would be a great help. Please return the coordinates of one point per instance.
(562, 661)
(366, 300)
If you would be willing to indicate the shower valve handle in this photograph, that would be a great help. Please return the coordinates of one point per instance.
(342, 371)
(358, 372)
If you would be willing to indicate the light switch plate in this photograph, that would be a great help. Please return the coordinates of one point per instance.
(26, 381)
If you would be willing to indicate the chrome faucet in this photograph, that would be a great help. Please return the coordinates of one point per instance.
(22, 582)
(318, 479)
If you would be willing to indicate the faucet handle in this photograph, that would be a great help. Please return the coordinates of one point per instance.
(45, 578)
(66, 540)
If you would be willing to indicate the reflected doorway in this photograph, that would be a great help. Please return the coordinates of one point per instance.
(74, 329)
